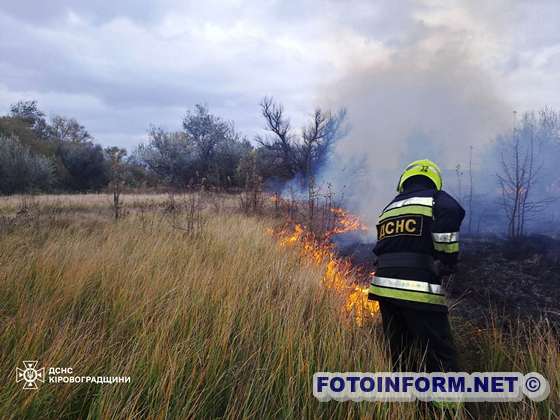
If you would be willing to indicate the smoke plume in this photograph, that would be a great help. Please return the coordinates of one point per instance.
(431, 98)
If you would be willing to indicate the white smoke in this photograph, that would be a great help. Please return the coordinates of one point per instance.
(430, 98)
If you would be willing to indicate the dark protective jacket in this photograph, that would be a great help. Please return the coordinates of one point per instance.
(417, 232)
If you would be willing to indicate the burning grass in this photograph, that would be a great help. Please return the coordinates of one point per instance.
(338, 272)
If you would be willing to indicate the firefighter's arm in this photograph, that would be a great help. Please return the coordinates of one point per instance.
(448, 215)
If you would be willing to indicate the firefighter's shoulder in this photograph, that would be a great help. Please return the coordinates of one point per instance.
(445, 201)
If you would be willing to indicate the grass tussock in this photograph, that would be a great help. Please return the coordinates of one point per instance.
(224, 323)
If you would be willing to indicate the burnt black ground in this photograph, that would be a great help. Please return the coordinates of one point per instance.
(518, 279)
(513, 279)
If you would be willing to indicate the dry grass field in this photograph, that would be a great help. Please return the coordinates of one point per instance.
(210, 319)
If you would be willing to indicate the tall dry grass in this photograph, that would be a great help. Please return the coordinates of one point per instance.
(102, 202)
(222, 323)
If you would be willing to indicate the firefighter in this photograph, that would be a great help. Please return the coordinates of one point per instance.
(418, 245)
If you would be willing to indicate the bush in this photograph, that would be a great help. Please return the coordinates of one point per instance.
(86, 166)
(21, 170)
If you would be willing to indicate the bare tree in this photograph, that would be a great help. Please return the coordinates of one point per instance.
(520, 166)
(116, 156)
(470, 199)
(317, 138)
(512, 179)
(251, 198)
(298, 153)
(282, 145)
(459, 174)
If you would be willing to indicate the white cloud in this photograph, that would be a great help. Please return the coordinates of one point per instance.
(119, 66)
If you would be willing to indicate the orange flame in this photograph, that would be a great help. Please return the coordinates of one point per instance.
(338, 271)
(346, 222)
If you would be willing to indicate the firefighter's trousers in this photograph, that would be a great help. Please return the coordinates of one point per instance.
(419, 339)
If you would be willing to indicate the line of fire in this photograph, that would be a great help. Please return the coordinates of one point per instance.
(339, 273)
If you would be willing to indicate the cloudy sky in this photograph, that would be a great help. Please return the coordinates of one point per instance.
(119, 66)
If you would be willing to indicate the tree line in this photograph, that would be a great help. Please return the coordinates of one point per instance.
(58, 154)
(38, 154)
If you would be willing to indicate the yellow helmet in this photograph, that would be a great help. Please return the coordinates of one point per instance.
(424, 167)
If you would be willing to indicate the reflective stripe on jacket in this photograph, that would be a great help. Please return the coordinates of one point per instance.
(411, 290)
